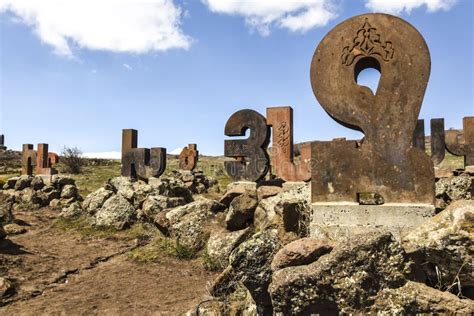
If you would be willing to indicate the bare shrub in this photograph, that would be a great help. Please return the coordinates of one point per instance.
(71, 159)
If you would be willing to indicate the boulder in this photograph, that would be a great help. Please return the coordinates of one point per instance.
(10, 183)
(23, 182)
(94, 201)
(116, 212)
(241, 212)
(74, 210)
(191, 224)
(3, 233)
(266, 191)
(236, 189)
(454, 189)
(123, 186)
(419, 299)
(250, 265)
(344, 281)
(37, 183)
(6, 207)
(69, 191)
(6, 288)
(14, 229)
(221, 244)
(152, 206)
(300, 252)
(58, 181)
(443, 247)
(295, 214)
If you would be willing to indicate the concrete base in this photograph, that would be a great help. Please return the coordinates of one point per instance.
(288, 186)
(336, 220)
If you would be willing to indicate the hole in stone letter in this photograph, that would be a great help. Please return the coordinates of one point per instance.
(367, 73)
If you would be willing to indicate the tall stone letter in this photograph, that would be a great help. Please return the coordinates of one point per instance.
(252, 162)
(281, 121)
(385, 163)
(28, 160)
(188, 157)
(141, 163)
(462, 144)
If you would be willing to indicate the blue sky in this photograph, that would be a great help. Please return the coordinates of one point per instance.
(177, 74)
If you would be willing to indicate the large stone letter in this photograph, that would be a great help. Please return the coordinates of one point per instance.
(462, 144)
(188, 157)
(2, 143)
(43, 166)
(385, 163)
(251, 154)
(28, 160)
(437, 139)
(141, 163)
(281, 121)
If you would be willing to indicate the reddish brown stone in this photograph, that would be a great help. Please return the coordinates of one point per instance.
(281, 120)
(188, 158)
(39, 159)
(28, 159)
(462, 144)
(251, 158)
(385, 162)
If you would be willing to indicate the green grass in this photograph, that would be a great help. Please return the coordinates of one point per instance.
(159, 247)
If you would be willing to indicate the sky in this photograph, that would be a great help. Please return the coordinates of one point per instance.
(75, 73)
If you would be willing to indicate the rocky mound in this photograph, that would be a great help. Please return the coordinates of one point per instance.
(29, 192)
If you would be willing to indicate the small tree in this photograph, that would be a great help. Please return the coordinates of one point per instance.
(71, 159)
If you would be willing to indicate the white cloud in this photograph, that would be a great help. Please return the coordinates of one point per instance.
(177, 151)
(398, 6)
(128, 66)
(297, 16)
(132, 26)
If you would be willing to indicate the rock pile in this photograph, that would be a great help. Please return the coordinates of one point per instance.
(196, 181)
(454, 188)
(29, 192)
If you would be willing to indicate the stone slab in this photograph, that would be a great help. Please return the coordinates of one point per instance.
(335, 220)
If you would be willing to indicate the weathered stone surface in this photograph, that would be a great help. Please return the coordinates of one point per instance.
(141, 163)
(37, 183)
(343, 281)
(367, 198)
(69, 191)
(191, 224)
(59, 181)
(5, 287)
(95, 200)
(6, 207)
(221, 243)
(123, 186)
(385, 162)
(266, 191)
(3, 234)
(72, 211)
(241, 212)
(453, 189)
(250, 264)
(300, 252)
(251, 158)
(443, 246)
(14, 229)
(10, 183)
(281, 120)
(23, 182)
(419, 299)
(116, 212)
(235, 189)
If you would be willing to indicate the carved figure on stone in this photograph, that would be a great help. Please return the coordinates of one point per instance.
(462, 144)
(39, 159)
(188, 158)
(437, 139)
(251, 158)
(141, 163)
(385, 161)
(281, 121)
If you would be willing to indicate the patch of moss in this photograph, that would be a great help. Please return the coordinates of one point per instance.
(208, 263)
(158, 248)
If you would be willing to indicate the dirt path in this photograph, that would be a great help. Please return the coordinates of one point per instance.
(61, 272)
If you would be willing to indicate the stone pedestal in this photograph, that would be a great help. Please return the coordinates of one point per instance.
(335, 220)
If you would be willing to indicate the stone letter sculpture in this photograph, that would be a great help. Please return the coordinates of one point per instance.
(462, 144)
(385, 162)
(188, 157)
(41, 159)
(142, 163)
(2, 143)
(252, 162)
(437, 139)
(281, 121)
